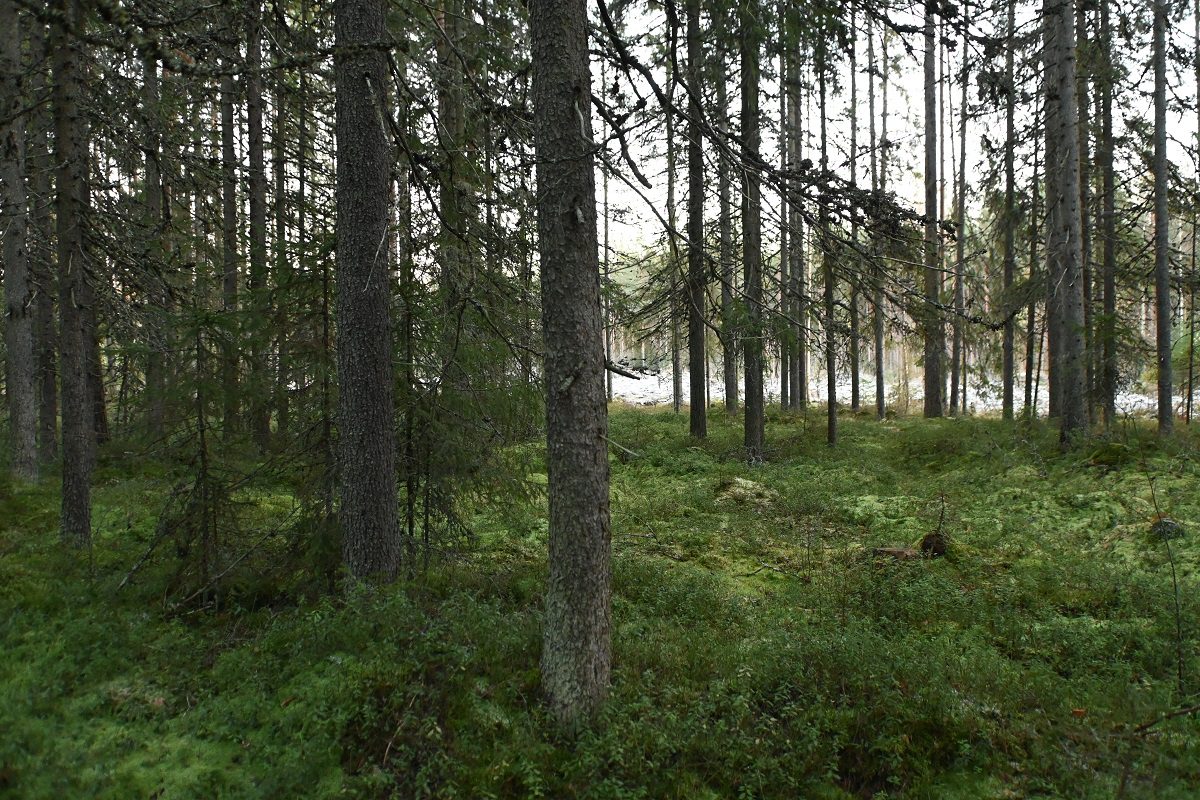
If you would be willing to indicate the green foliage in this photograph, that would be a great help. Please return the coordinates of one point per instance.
(762, 648)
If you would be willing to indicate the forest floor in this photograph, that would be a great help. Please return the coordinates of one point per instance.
(762, 647)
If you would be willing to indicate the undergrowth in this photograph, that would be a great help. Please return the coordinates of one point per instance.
(763, 646)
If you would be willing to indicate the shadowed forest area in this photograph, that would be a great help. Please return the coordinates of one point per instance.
(685, 399)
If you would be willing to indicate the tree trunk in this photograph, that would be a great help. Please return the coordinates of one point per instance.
(958, 372)
(576, 653)
(42, 271)
(1162, 230)
(877, 305)
(752, 338)
(229, 282)
(1010, 190)
(259, 400)
(696, 270)
(831, 416)
(1063, 247)
(367, 479)
(855, 398)
(1085, 205)
(71, 158)
(797, 279)
(1108, 216)
(729, 344)
(932, 317)
(21, 376)
(156, 384)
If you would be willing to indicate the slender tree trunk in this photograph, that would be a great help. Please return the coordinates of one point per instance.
(785, 355)
(831, 430)
(1108, 334)
(797, 280)
(21, 375)
(229, 282)
(1162, 226)
(855, 337)
(672, 239)
(1032, 336)
(932, 317)
(71, 157)
(877, 305)
(1085, 206)
(371, 541)
(155, 231)
(959, 351)
(729, 344)
(1010, 212)
(259, 401)
(576, 651)
(696, 270)
(282, 257)
(752, 236)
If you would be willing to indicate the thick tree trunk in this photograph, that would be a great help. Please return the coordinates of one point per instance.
(696, 271)
(932, 319)
(752, 339)
(71, 158)
(371, 542)
(1063, 238)
(21, 375)
(42, 266)
(576, 653)
(1162, 229)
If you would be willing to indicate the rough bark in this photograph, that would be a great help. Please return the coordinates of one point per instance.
(797, 279)
(576, 653)
(259, 394)
(855, 396)
(42, 263)
(725, 257)
(958, 371)
(71, 158)
(371, 544)
(696, 270)
(229, 274)
(831, 415)
(155, 366)
(1162, 230)
(877, 305)
(752, 339)
(1108, 219)
(21, 374)
(1063, 237)
(1010, 255)
(931, 318)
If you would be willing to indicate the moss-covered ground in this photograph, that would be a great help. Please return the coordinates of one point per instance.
(762, 648)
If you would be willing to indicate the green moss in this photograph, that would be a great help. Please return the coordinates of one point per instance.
(760, 651)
